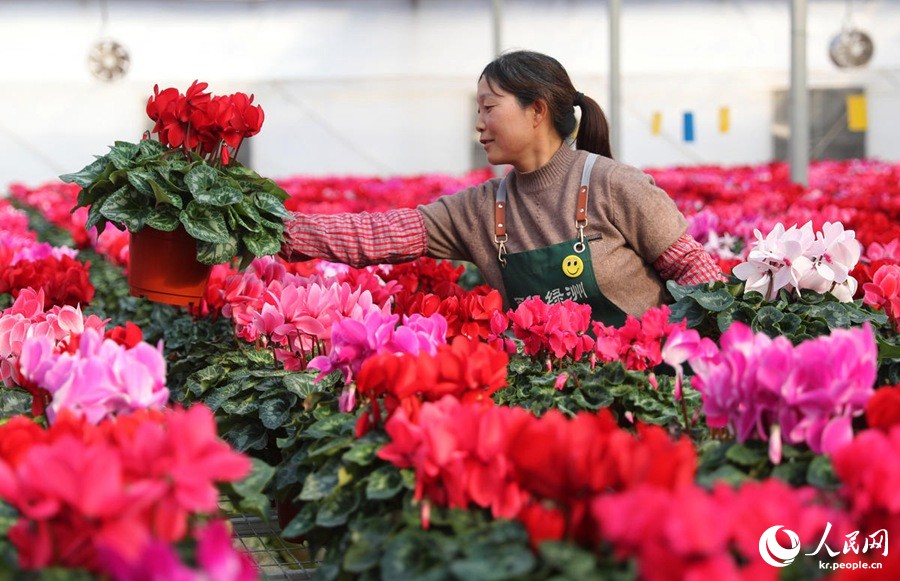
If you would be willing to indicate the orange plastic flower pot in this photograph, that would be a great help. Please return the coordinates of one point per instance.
(163, 267)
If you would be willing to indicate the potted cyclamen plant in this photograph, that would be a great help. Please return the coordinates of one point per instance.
(185, 199)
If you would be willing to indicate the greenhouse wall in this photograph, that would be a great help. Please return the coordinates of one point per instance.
(387, 86)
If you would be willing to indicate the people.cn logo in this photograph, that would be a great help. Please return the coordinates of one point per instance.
(771, 550)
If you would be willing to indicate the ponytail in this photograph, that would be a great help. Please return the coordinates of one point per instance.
(593, 131)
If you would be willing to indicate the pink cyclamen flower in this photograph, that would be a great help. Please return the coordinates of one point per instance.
(100, 378)
(884, 292)
(680, 346)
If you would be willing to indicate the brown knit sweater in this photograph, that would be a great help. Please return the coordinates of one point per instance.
(631, 222)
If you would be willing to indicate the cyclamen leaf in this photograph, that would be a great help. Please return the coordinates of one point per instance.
(494, 561)
(321, 483)
(200, 178)
(126, 206)
(576, 562)
(274, 411)
(384, 483)
(769, 315)
(219, 196)
(162, 220)
(151, 148)
(262, 243)
(122, 154)
(413, 555)
(834, 314)
(204, 223)
(714, 301)
(335, 509)
(273, 189)
(362, 555)
(747, 454)
(86, 176)
(363, 452)
(241, 171)
(256, 481)
(211, 253)
(249, 436)
(302, 384)
(95, 218)
(678, 291)
(887, 350)
(242, 406)
(163, 196)
(138, 179)
(304, 522)
(271, 204)
(236, 217)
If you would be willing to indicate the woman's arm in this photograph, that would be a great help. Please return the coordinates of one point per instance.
(356, 239)
(687, 263)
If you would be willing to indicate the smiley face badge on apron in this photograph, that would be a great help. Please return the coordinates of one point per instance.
(554, 273)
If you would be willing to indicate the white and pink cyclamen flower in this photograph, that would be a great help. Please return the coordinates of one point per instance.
(799, 258)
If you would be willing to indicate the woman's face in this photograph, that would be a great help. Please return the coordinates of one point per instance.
(505, 128)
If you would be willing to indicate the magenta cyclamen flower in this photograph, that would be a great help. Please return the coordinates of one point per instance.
(831, 381)
(99, 379)
(353, 341)
(805, 394)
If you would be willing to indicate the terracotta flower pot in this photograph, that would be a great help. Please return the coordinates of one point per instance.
(163, 267)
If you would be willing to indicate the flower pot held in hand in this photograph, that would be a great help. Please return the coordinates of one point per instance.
(163, 267)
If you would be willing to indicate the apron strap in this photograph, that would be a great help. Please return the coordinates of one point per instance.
(500, 235)
(581, 205)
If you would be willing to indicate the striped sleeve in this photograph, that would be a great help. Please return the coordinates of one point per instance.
(356, 239)
(688, 263)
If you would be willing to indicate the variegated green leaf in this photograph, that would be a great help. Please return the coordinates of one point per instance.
(163, 196)
(262, 243)
(216, 252)
(200, 178)
(204, 223)
(219, 196)
(126, 206)
(162, 219)
(86, 176)
(271, 204)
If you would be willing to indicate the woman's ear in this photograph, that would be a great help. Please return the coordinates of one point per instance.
(541, 111)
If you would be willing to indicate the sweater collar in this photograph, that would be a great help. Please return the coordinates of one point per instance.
(551, 173)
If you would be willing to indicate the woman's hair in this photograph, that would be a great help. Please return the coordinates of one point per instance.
(531, 76)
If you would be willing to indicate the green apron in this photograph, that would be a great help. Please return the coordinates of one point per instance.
(558, 272)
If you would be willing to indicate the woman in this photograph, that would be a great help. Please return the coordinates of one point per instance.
(563, 224)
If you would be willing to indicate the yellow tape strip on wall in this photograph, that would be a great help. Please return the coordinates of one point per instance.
(857, 117)
(724, 119)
